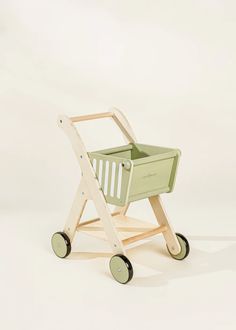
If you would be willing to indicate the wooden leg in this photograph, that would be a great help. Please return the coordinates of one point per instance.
(122, 209)
(92, 185)
(169, 235)
(76, 211)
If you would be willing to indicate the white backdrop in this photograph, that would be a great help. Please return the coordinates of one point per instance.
(169, 65)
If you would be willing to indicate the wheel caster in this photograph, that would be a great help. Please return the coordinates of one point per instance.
(61, 244)
(121, 268)
(185, 248)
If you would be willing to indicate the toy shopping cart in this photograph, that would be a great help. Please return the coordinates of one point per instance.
(120, 176)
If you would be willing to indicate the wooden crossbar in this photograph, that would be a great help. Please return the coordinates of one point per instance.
(82, 224)
(91, 117)
(144, 235)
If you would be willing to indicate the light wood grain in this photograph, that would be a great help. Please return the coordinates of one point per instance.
(144, 235)
(162, 219)
(77, 119)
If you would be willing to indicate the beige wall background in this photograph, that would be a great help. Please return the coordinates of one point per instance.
(169, 65)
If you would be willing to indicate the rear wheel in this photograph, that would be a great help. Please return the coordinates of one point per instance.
(185, 248)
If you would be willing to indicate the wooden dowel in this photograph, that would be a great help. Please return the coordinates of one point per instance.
(91, 117)
(94, 220)
(120, 229)
(144, 235)
(82, 224)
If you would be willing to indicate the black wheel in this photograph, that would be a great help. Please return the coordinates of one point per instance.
(61, 244)
(121, 268)
(185, 248)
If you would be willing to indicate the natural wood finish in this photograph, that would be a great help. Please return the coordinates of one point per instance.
(125, 226)
(120, 229)
(122, 209)
(161, 216)
(123, 124)
(115, 227)
(92, 184)
(117, 116)
(88, 222)
(76, 211)
(85, 223)
(131, 138)
(93, 187)
(144, 235)
(91, 117)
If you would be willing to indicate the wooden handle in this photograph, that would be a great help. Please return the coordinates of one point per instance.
(92, 116)
(115, 114)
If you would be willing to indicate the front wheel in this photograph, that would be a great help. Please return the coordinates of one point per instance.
(121, 268)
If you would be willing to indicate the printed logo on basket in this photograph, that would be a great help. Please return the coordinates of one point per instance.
(149, 175)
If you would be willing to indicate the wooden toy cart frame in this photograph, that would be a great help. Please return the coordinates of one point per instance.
(119, 229)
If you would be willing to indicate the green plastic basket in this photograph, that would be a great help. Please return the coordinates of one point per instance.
(134, 171)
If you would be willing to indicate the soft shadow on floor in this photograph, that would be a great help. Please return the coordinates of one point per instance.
(153, 255)
(212, 238)
(198, 262)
